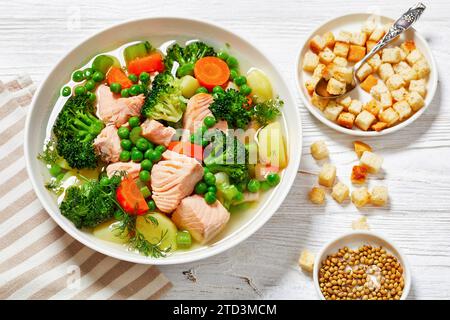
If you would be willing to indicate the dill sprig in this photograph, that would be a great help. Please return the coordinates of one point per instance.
(49, 155)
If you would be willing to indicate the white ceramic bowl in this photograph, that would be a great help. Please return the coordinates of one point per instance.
(354, 240)
(113, 37)
(353, 22)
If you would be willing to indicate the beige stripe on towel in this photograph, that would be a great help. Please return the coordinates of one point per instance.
(35, 254)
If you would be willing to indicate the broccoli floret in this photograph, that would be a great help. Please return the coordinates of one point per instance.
(232, 106)
(267, 111)
(164, 101)
(75, 129)
(91, 203)
(187, 57)
(227, 154)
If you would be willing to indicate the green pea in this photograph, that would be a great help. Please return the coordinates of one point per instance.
(146, 164)
(209, 178)
(123, 132)
(205, 170)
(116, 179)
(133, 78)
(217, 89)
(88, 73)
(144, 176)
(155, 156)
(209, 121)
(66, 91)
(90, 85)
(234, 74)
(115, 87)
(210, 197)
(201, 90)
(104, 181)
(135, 90)
(240, 80)
(265, 186)
(151, 205)
(192, 138)
(134, 149)
(136, 155)
(98, 76)
(126, 144)
(80, 90)
(55, 170)
(273, 179)
(147, 153)
(78, 76)
(142, 144)
(223, 55)
(205, 142)
(245, 89)
(125, 93)
(134, 122)
(92, 97)
(253, 185)
(145, 191)
(144, 77)
(239, 197)
(232, 62)
(212, 189)
(125, 156)
(160, 148)
(201, 188)
(203, 129)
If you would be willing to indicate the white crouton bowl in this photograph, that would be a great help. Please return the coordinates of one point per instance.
(45, 97)
(354, 22)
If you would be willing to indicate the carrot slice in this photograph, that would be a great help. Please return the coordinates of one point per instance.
(187, 148)
(130, 197)
(151, 63)
(211, 72)
(116, 75)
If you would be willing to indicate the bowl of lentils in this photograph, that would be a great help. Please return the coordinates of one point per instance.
(361, 265)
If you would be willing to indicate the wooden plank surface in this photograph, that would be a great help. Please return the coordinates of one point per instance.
(34, 35)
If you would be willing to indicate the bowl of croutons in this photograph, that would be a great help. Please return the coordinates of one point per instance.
(393, 88)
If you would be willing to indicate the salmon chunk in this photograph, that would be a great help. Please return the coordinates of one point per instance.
(202, 220)
(157, 133)
(197, 109)
(112, 108)
(173, 179)
(131, 168)
(107, 144)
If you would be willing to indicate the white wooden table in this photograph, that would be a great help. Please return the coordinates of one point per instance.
(417, 160)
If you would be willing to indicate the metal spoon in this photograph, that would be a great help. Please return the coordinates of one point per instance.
(402, 24)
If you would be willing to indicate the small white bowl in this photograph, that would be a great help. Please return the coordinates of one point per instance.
(354, 240)
(353, 22)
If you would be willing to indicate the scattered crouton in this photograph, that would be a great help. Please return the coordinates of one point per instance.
(379, 126)
(385, 100)
(373, 107)
(360, 224)
(418, 86)
(327, 175)
(377, 33)
(328, 37)
(356, 53)
(340, 192)
(336, 87)
(360, 147)
(403, 69)
(408, 46)
(341, 49)
(358, 38)
(310, 61)
(319, 102)
(379, 196)
(317, 44)
(343, 74)
(317, 195)
(422, 68)
(415, 100)
(390, 116)
(403, 109)
(385, 71)
(414, 56)
(395, 81)
(319, 150)
(340, 61)
(306, 261)
(359, 175)
(364, 120)
(344, 101)
(378, 89)
(326, 56)
(360, 197)
(311, 83)
(399, 94)
(370, 44)
(346, 120)
(371, 161)
(375, 62)
(364, 71)
(331, 112)
(344, 36)
(367, 84)
(370, 24)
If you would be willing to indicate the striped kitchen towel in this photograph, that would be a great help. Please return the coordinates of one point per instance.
(38, 260)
